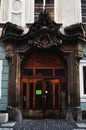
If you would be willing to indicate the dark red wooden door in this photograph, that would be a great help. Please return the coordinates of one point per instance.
(43, 81)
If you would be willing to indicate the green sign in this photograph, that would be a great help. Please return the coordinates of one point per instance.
(38, 92)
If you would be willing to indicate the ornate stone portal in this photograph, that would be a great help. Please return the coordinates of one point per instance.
(44, 34)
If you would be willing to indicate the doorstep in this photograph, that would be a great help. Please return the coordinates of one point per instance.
(7, 126)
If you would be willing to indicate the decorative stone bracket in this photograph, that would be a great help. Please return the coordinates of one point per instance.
(10, 52)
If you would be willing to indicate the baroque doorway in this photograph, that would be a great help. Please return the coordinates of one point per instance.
(43, 82)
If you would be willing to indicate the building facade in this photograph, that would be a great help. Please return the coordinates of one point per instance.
(42, 57)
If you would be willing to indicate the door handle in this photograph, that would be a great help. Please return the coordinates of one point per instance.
(43, 96)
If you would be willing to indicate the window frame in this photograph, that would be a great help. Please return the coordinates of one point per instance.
(82, 94)
(43, 3)
(82, 11)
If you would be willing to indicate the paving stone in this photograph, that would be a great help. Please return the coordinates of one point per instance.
(79, 129)
(45, 124)
(81, 125)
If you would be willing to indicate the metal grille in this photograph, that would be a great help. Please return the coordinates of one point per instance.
(39, 8)
(83, 6)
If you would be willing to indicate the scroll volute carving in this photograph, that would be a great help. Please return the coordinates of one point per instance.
(10, 52)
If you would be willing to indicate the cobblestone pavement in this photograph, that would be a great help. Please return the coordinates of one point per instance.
(45, 124)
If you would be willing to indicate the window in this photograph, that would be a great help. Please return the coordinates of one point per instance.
(38, 8)
(83, 80)
(84, 77)
(49, 4)
(44, 72)
(28, 72)
(83, 6)
(1, 67)
(50, 8)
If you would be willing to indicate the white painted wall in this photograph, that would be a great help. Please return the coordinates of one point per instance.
(29, 11)
(68, 12)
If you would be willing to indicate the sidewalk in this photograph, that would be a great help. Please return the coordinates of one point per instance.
(43, 124)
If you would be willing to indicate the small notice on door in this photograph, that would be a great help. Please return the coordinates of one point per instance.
(38, 92)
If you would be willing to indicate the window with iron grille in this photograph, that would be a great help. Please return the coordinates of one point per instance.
(83, 6)
(39, 8)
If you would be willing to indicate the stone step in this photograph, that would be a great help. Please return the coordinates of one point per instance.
(79, 129)
(6, 128)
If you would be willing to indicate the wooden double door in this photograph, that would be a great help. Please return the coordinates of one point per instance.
(41, 94)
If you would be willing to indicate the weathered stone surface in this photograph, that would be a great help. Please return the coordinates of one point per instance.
(69, 116)
(17, 115)
(3, 118)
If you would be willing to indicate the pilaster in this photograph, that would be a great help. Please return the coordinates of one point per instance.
(10, 55)
(75, 107)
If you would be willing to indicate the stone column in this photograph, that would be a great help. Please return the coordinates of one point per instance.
(70, 78)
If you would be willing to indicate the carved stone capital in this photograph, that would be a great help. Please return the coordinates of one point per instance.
(78, 54)
(10, 52)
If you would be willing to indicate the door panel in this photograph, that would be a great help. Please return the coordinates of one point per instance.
(56, 96)
(31, 85)
(49, 95)
(56, 93)
(24, 95)
(41, 94)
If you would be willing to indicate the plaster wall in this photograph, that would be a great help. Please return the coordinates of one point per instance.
(70, 12)
(83, 105)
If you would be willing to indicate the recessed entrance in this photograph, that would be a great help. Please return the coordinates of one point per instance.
(43, 83)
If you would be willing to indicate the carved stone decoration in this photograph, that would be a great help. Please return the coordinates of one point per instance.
(17, 5)
(9, 52)
(43, 32)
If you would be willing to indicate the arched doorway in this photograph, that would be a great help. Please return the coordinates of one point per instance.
(43, 83)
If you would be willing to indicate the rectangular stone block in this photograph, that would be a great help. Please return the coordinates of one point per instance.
(3, 118)
(6, 128)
